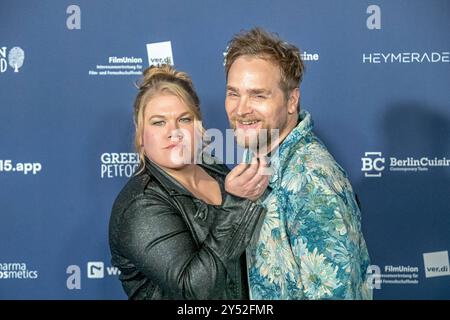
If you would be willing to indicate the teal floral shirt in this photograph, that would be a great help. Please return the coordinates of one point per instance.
(310, 245)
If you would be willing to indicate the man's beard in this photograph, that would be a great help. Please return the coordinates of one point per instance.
(258, 140)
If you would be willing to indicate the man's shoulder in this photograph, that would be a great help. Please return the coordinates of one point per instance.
(311, 164)
(309, 156)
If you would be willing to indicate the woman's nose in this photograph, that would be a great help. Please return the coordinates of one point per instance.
(175, 132)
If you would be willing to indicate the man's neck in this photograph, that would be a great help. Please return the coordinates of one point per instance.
(292, 123)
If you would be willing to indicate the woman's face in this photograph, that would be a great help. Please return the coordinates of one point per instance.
(168, 136)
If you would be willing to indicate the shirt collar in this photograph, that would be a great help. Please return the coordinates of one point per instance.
(282, 154)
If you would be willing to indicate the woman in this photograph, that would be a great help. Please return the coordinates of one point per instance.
(175, 233)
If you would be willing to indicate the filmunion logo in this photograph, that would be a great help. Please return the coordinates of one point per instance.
(118, 66)
(95, 270)
(373, 164)
(121, 164)
(406, 57)
(436, 264)
(14, 58)
(17, 270)
(391, 275)
(160, 53)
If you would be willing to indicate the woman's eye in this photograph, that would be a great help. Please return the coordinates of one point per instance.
(158, 123)
(186, 119)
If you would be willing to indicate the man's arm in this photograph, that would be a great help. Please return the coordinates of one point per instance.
(328, 246)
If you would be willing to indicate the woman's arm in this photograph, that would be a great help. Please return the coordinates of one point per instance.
(154, 236)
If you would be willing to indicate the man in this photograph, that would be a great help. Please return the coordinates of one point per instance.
(310, 245)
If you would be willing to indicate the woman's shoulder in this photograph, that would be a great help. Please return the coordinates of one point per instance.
(138, 187)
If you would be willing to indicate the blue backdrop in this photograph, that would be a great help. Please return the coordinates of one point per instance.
(377, 85)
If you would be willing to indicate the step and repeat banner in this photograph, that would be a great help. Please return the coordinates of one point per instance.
(377, 84)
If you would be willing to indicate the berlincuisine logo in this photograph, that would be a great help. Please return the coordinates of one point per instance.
(373, 164)
(406, 57)
(423, 162)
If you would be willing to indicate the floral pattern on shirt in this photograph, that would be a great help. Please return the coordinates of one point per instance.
(310, 244)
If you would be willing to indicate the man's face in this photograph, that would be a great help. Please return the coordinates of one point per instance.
(255, 101)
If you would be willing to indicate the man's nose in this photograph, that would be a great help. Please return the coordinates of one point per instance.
(243, 106)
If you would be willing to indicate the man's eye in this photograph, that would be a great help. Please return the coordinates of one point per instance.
(232, 94)
(186, 119)
(261, 97)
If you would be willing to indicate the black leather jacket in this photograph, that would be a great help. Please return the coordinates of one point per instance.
(170, 245)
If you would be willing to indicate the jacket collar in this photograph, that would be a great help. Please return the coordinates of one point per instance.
(172, 186)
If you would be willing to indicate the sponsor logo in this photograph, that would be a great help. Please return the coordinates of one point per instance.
(160, 53)
(17, 270)
(391, 275)
(118, 66)
(73, 21)
(118, 164)
(95, 270)
(436, 264)
(373, 22)
(13, 59)
(373, 164)
(20, 167)
(374, 277)
(406, 57)
(307, 56)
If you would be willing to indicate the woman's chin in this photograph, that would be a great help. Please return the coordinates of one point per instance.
(177, 163)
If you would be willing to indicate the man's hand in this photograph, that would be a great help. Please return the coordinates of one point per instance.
(248, 180)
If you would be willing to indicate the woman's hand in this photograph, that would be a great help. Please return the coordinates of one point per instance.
(248, 180)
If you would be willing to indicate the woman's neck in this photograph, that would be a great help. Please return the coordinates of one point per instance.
(188, 175)
(198, 182)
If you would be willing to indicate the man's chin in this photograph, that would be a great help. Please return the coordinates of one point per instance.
(245, 141)
(252, 143)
